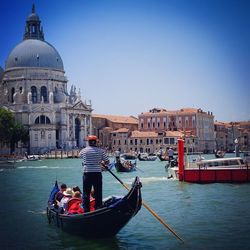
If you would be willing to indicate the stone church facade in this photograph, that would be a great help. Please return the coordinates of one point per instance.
(34, 87)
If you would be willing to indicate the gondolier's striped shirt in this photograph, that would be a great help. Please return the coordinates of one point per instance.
(92, 158)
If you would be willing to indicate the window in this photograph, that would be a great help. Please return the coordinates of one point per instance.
(44, 94)
(166, 140)
(12, 94)
(42, 134)
(33, 94)
(42, 120)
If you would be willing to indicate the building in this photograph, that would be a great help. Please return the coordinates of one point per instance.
(195, 123)
(105, 125)
(227, 132)
(34, 87)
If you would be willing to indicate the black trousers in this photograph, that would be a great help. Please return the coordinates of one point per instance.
(89, 180)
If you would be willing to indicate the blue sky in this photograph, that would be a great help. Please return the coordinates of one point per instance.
(128, 56)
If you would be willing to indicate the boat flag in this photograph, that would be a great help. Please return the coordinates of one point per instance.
(53, 193)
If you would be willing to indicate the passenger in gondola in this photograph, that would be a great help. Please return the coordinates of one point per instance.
(74, 204)
(66, 196)
(59, 195)
(77, 189)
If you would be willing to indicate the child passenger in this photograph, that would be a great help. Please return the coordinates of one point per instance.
(66, 196)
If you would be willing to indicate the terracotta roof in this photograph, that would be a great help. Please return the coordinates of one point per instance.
(220, 123)
(118, 118)
(143, 134)
(121, 130)
(173, 112)
(173, 134)
(107, 128)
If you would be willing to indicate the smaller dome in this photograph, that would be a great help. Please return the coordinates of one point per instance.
(33, 17)
(59, 97)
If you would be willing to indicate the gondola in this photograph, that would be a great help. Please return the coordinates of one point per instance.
(104, 222)
(122, 165)
(163, 157)
(147, 157)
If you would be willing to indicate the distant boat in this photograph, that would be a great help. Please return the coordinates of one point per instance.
(128, 156)
(32, 157)
(163, 157)
(125, 163)
(232, 169)
(147, 157)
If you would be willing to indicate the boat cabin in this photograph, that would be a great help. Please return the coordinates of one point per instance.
(235, 162)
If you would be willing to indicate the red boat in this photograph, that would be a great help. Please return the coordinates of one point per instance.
(231, 170)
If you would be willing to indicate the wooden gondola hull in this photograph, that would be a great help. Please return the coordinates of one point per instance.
(120, 168)
(163, 157)
(104, 222)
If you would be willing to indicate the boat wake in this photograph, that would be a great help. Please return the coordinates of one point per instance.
(36, 212)
(146, 180)
(39, 167)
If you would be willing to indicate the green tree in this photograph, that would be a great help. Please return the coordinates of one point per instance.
(11, 131)
(7, 122)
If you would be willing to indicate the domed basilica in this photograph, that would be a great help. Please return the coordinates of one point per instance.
(34, 88)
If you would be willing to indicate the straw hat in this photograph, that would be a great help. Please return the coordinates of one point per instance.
(68, 192)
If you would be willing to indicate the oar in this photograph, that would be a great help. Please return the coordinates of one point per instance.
(150, 210)
(139, 169)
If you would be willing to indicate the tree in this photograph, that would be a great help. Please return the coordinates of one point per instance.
(7, 122)
(11, 131)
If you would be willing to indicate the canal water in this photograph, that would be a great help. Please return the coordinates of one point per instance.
(206, 216)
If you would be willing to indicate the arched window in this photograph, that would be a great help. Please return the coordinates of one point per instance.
(77, 131)
(44, 94)
(12, 94)
(33, 94)
(42, 120)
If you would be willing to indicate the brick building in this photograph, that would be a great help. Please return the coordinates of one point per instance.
(104, 125)
(196, 123)
(226, 133)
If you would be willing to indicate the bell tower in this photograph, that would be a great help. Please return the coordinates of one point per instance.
(33, 30)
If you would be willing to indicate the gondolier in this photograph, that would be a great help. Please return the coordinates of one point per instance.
(93, 159)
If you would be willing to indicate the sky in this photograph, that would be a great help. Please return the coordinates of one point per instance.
(129, 56)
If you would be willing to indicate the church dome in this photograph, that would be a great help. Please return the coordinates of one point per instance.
(34, 53)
